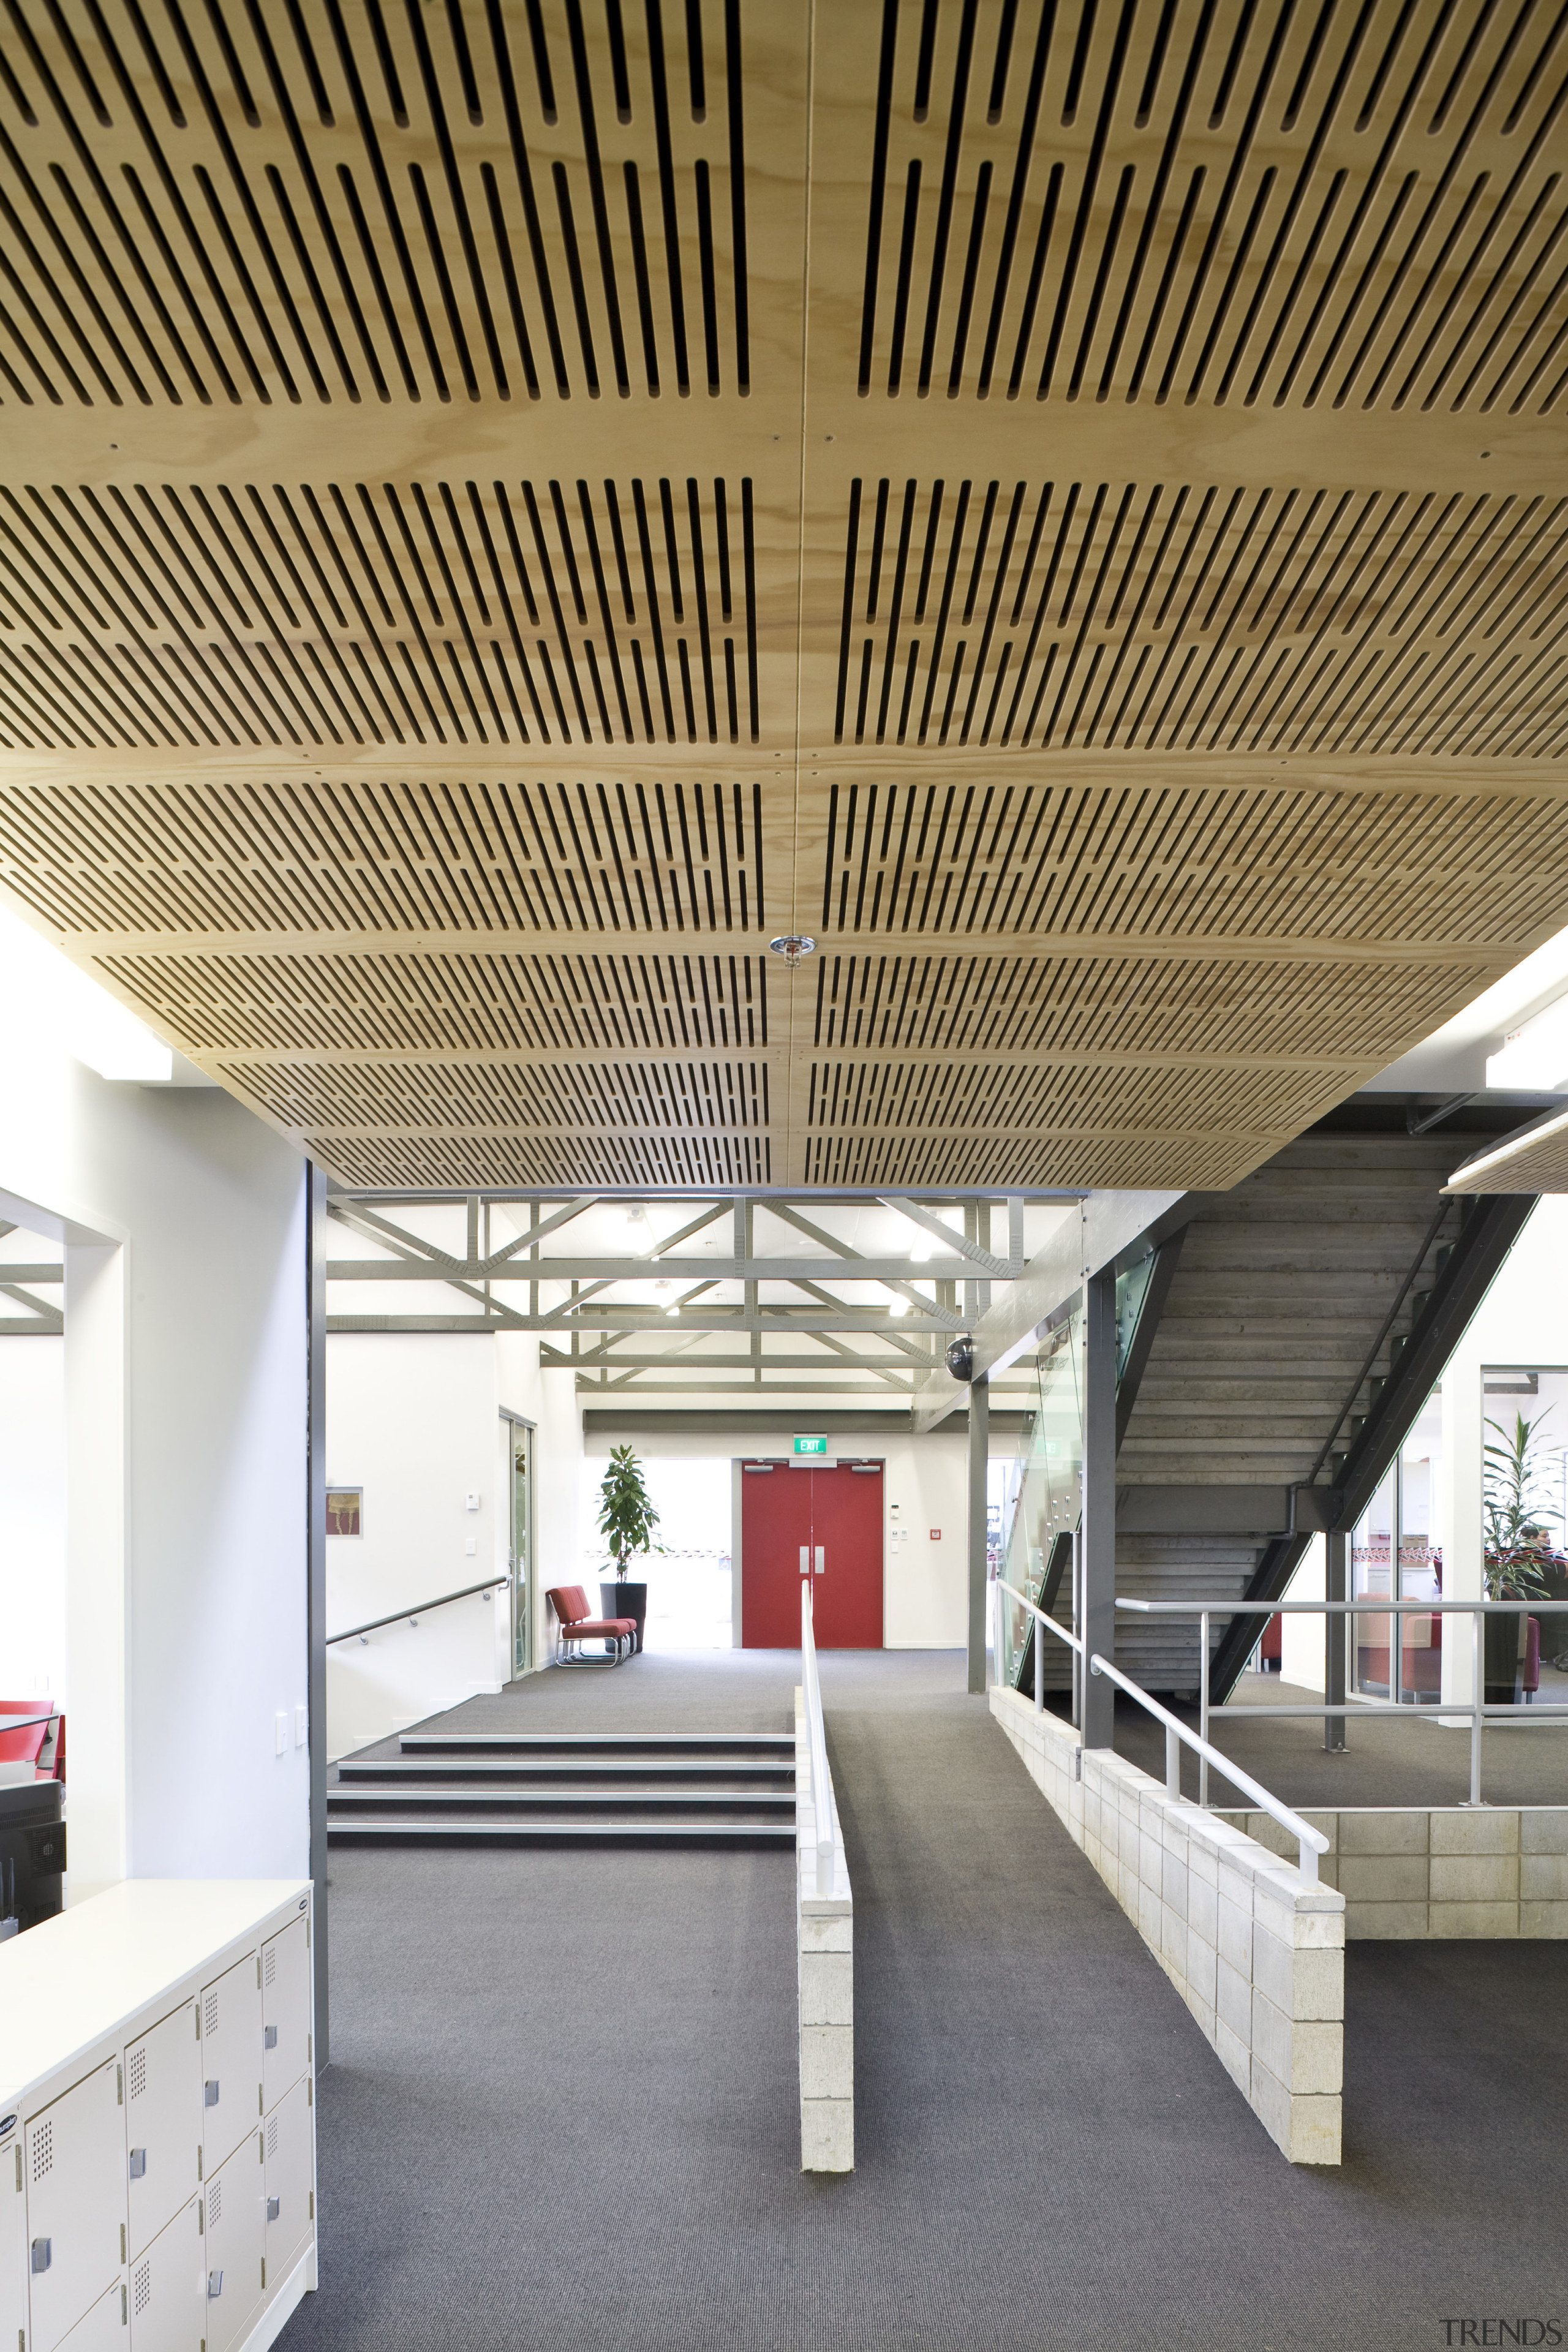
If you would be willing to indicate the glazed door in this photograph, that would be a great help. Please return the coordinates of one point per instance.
(818, 1522)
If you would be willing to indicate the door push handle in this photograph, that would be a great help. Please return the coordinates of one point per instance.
(138, 2163)
(821, 1561)
(270, 2037)
(804, 1560)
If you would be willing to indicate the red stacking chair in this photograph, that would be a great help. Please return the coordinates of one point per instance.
(572, 1606)
(26, 1744)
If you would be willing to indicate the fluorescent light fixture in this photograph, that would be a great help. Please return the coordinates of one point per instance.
(67, 1010)
(1534, 1057)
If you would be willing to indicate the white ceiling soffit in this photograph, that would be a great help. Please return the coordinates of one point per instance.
(453, 612)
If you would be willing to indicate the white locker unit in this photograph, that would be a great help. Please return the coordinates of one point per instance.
(163, 2101)
(286, 2009)
(157, 2143)
(75, 2203)
(290, 2179)
(236, 2244)
(231, 2060)
(102, 2329)
(168, 2302)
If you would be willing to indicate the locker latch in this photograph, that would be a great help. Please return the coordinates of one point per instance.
(43, 2254)
(270, 2037)
(272, 2205)
(215, 2285)
(209, 2095)
(138, 2163)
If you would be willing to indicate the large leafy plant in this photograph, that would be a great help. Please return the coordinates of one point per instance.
(1519, 1558)
(627, 1515)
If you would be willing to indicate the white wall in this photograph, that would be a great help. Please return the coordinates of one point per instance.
(33, 1519)
(185, 1364)
(925, 1484)
(413, 1419)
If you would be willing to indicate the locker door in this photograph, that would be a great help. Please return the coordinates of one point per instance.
(168, 2288)
(162, 2123)
(235, 2211)
(103, 2329)
(284, 2011)
(74, 2158)
(231, 2060)
(290, 2220)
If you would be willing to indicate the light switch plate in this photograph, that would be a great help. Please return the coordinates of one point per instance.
(473, 1502)
(470, 1545)
(280, 1730)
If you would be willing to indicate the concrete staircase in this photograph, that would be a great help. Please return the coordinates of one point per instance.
(728, 1790)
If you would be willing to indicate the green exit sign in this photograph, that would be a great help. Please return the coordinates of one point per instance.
(811, 1444)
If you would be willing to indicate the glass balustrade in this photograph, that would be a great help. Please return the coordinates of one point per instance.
(1047, 1496)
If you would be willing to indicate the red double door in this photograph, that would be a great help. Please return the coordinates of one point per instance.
(825, 1523)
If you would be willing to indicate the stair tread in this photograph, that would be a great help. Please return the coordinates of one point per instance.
(523, 1768)
(442, 1798)
(588, 1832)
(525, 1742)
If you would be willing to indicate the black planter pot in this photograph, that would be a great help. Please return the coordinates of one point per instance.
(626, 1600)
(1502, 1644)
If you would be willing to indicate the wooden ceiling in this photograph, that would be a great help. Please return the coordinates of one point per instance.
(504, 508)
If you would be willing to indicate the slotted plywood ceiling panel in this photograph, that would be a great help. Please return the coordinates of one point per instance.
(505, 508)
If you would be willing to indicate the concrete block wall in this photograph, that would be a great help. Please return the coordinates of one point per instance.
(824, 1944)
(1445, 1871)
(1256, 1950)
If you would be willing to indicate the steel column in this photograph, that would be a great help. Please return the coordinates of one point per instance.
(1097, 1596)
(315, 1235)
(979, 1457)
(1334, 1640)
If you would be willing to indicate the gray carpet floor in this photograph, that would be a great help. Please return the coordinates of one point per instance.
(562, 2108)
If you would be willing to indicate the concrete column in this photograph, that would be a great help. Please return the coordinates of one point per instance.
(97, 1695)
(1098, 1625)
(979, 1459)
(1460, 1490)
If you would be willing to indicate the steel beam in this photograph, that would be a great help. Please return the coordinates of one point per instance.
(979, 1462)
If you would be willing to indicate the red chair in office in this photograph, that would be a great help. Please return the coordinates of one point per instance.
(572, 1607)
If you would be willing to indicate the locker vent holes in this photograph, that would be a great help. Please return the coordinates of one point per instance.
(214, 2204)
(141, 2288)
(271, 1964)
(272, 2136)
(137, 2071)
(210, 2022)
(43, 2149)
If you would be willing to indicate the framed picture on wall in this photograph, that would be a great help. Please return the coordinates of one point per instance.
(343, 1510)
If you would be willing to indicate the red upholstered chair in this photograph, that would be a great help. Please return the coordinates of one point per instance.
(26, 1744)
(574, 1610)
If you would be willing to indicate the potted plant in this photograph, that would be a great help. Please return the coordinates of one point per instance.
(626, 1522)
(1518, 1557)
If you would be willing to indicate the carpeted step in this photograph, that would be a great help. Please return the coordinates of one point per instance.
(417, 1830)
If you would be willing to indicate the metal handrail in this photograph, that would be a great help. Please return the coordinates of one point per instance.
(1310, 1842)
(396, 1616)
(1374, 1605)
(816, 1745)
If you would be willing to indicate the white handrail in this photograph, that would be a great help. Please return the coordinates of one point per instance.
(1372, 1606)
(1310, 1842)
(817, 1746)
